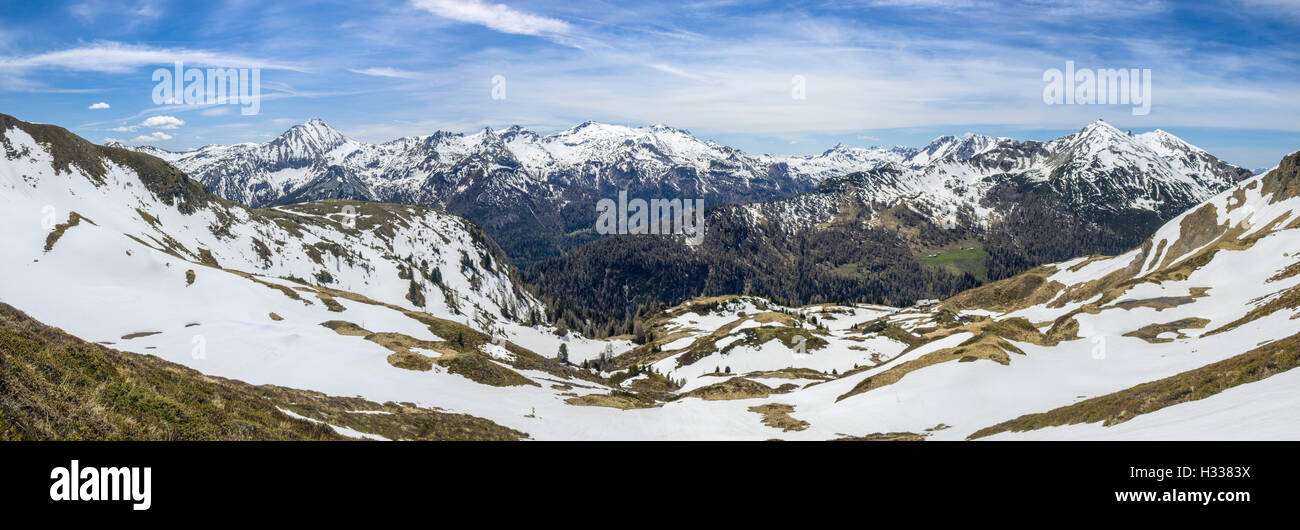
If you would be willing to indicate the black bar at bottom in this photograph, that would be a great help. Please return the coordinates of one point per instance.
(537, 481)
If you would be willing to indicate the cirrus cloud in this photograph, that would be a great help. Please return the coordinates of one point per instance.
(384, 71)
(118, 57)
(499, 17)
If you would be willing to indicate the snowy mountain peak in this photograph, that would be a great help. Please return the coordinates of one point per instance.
(661, 128)
(1101, 129)
(1099, 136)
(514, 132)
(1164, 142)
(313, 136)
(589, 130)
(318, 127)
(584, 126)
(959, 148)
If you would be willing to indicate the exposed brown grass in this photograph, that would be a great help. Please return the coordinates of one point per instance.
(465, 341)
(330, 302)
(737, 388)
(1159, 303)
(789, 373)
(1290, 271)
(343, 327)
(990, 342)
(408, 360)
(1288, 299)
(139, 334)
(617, 400)
(794, 338)
(54, 386)
(74, 219)
(1118, 407)
(777, 415)
(1151, 333)
(885, 437)
(1017, 292)
(478, 368)
(289, 292)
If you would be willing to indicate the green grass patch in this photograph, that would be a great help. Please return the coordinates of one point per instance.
(966, 258)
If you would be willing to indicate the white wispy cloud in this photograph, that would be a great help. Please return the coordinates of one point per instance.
(1287, 8)
(116, 57)
(499, 17)
(92, 10)
(97, 106)
(216, 109)
(929, 4)
(1037, 9)
(383, 71)
(157, 136)
(871, 66)
(677, 72)
(1097, 8)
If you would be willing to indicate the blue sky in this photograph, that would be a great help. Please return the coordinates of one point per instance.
(887, 72)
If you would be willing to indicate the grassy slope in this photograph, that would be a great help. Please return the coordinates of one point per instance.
(54, 386)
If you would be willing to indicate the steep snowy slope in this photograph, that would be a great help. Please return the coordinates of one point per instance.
(334, 244)
(348, 298)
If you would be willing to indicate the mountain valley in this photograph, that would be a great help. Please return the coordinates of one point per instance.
(432, 332)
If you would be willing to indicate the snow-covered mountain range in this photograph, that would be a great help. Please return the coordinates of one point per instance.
(1191, 335)
(513, 182)
(436, 167)
(1100, 171)
(963, 211)
(528, 190)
